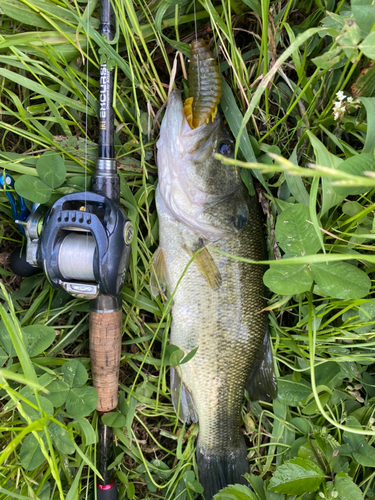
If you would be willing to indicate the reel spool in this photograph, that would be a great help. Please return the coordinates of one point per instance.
(83, 245)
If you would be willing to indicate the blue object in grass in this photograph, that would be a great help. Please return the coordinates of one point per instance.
(19, 210)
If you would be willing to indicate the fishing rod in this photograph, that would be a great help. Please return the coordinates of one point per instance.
(106, 311)
(82, 244)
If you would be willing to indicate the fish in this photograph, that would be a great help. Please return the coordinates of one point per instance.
(206, 216)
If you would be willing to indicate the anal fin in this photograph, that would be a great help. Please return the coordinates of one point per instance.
(261, 382)
(182, 400)
(158, 273)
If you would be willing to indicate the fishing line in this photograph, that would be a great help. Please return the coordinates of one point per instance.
(86, 92)
(195, 21)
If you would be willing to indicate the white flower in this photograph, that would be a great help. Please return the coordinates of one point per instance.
(340, 95)
(350, 99)
(338, 106)
(336, 116)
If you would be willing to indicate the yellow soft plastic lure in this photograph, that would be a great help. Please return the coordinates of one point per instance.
(204, 85)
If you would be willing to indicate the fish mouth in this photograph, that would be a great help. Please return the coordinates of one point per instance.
(180, 137)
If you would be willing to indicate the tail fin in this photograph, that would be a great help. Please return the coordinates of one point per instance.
(216, 471)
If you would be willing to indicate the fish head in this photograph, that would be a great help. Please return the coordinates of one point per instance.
(196, 188)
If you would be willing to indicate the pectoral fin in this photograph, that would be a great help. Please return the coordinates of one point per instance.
(207, 267)
(158, 273)
(261, 383)
(182, 400)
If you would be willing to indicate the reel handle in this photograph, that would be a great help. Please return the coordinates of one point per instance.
(105, 355)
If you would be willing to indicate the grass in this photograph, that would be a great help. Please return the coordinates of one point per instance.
(283, 64)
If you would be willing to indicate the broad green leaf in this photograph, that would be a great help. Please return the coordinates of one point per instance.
(352, 208)
(310, 451)
(34, 414)
(329, 374)
(346, 488)
(121, 475)
(364, 85)
(31, 454)
(348, 39)
(6, 341)
(312, 407)
(33, 189)
(81, 401)
(330, 58)
(368, 45)
(58, 392)
(365, 455)
(296, 477)
(161, 469)
(87, 429)
(130, 491)
(369, 104)
(235, 492)
(51, 169)
(366, 313)
(364, 14)
(355, 165)
(176, 357)
(341, 280)
(74, 373)
(61, 439)
(355, 441)
(114, 419)
(290, 392)
(295, 233)
(257, 484)
(173, 355)
(3, 357)
(45, 491)
(189, 356)
(302, 424)
(38, 338)
(295, 183)
(326, 159)
(288, 280)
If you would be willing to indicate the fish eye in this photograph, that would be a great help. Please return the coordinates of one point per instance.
(225, 148)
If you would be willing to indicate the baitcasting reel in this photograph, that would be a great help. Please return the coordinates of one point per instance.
(82, 244)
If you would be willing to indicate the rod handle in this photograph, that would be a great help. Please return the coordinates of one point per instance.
(105, 354)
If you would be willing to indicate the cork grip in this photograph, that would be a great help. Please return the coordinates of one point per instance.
(105, 354)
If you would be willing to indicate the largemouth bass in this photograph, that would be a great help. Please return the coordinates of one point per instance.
(204, 207)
